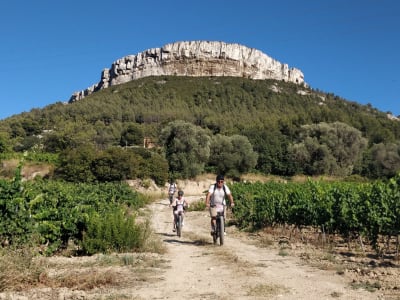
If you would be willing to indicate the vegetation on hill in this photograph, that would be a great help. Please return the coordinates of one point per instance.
(265, 126)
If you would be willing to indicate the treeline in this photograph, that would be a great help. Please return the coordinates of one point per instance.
(368, 212)
(285, 129)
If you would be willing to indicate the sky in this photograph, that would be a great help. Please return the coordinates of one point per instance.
(50, 49)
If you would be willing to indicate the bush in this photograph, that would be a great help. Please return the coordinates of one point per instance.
(114, 231)
(197, 205)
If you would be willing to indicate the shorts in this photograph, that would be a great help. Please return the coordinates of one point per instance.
(213, 212)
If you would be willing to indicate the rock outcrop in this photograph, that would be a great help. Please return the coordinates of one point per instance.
(194, 58)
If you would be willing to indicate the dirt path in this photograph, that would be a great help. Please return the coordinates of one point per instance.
(237, 270)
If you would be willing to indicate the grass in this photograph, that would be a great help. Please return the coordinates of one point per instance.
(199, 205)
(368, 286)
(19, 269)
(266, 290)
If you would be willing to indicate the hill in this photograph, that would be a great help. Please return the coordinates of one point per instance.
(270, 113)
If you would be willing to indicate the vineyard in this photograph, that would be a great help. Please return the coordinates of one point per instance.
(366, 212)
(102, 217)
(50, 214)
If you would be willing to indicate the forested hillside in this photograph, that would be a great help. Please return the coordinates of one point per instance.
(218, 124)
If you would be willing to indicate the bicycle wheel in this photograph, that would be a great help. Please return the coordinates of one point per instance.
(221, 230)
(179, 225)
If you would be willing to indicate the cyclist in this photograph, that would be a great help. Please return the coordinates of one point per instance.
(216, 195)
(171, 190)
(180, 204)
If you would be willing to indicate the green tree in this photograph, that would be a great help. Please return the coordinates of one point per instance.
(323, 148)
(271, 146)
(232, 155)
(75, 164)
(55, 142)
(382, 160)
(187, 148)
(114, 164)
(132, 135)
(27, 143)
(4, 147)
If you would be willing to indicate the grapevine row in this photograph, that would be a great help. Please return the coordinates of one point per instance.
(369, 210)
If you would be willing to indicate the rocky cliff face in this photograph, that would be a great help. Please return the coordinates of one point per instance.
(194, 58)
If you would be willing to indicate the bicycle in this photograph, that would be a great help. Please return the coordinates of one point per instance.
(179, 220)
(219, 228)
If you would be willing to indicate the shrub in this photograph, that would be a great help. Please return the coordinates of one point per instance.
(114, 231)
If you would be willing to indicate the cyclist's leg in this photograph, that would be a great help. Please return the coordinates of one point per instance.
(174, 220)
(213, 215)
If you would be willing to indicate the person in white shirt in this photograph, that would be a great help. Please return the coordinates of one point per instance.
(215, 199)
(171, 191)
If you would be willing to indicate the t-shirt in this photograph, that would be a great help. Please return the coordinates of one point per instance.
(172, 188)
(179, 204)
(218, 196)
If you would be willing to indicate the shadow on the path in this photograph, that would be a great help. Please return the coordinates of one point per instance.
(174, 239)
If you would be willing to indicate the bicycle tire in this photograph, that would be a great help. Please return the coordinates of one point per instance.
(179, 226)
(221, 230)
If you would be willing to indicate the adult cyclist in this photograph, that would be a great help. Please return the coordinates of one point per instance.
(171, 190)
(216, 195)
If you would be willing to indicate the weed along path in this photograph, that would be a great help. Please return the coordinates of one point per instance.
(197, 269)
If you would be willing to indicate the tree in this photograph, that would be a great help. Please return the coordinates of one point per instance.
(132, 135)
(75, 164)
(323, 148)
(232, 155)
(4, 147)
(271, 146)
(382, 160)
(55, 142)
(115, 164)
(187, 148)
(27, 143)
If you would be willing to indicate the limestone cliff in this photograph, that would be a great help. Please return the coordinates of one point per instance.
(194, 58)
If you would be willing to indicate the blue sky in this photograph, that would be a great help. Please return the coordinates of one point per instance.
(50, 49)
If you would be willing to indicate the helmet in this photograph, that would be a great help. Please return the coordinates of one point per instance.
(220, 177)
(180, 193)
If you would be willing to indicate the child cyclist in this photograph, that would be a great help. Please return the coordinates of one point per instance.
(179, 204)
